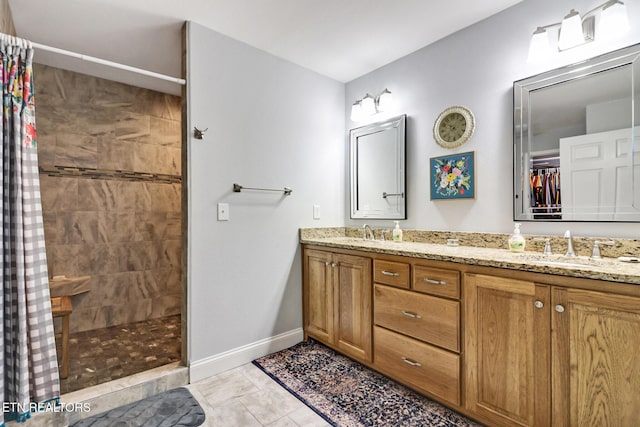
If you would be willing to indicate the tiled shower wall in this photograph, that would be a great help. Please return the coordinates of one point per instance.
(109, 155)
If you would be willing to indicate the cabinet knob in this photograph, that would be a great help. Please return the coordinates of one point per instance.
(538, 304)
(559, 308)
(333, 264)
(327, 263)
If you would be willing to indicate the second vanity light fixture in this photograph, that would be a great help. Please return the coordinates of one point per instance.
(368, 106)
(575, 30)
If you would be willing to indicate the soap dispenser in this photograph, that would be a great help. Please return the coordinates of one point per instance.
(397, 232)
(517, 240)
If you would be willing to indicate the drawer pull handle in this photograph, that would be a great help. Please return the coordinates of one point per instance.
(390, 273)
(435, 282)
(412, 315)
(411, 362)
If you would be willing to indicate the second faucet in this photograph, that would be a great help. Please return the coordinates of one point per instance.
(570, 251)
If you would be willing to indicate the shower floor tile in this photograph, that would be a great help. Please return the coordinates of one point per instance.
(102, 355)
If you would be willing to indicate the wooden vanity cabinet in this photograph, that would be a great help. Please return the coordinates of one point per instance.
(542, 355)
(508, 348)
(337, 301)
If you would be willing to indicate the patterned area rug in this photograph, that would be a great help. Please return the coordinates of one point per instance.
(171, 408)
(345, 393)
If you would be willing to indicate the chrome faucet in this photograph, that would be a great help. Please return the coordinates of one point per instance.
(364, 233)
(570, 251)
(547, 245)
(596, 254)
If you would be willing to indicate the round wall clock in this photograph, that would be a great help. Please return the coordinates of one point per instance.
(454, 126)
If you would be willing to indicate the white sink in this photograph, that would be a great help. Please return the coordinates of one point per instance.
(562, 261)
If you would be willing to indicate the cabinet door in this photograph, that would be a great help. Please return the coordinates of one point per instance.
(318, 295)
(507, 343)
(352, 300)
(596, 359)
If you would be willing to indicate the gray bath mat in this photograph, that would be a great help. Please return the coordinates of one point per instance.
(171, 408)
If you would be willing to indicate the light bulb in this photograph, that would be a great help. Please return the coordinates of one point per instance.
(384, 100)
(368, 105)
(539, 46)
(356, 111)
(571, 34)
(613, 20)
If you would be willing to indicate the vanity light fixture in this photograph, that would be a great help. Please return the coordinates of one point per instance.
(575, 30)
(368, 106)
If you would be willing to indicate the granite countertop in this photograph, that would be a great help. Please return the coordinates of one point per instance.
(607, 269)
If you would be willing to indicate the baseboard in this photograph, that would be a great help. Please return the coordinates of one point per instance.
(213, 365)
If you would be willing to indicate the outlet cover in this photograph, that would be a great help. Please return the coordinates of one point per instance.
(223, 211)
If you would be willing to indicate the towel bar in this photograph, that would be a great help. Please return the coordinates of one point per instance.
(238, 188)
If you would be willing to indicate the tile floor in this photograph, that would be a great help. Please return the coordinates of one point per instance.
(247, 397)
(103, 355)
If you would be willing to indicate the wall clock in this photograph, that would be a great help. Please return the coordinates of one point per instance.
(454, 126)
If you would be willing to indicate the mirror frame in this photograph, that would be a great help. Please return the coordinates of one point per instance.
(398, 123)
(521, 113)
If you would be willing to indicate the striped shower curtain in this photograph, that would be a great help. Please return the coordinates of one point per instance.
(28, 363)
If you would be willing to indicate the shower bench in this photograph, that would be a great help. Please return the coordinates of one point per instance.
(61, 289)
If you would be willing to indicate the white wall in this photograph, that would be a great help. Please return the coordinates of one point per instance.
(476, 67)
(606, 116)
(270, 124)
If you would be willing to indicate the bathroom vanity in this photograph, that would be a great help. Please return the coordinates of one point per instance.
(510, 339)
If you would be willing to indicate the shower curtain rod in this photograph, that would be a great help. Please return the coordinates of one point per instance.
(108, 63)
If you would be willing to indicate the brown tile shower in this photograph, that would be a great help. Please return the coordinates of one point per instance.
(109, 156)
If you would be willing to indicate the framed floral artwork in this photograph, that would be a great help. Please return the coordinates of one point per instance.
(452, 176)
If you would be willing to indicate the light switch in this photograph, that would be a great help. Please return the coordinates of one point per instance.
(223, 211)
(316, 211)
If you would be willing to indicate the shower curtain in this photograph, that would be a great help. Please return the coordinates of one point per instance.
(28, 362)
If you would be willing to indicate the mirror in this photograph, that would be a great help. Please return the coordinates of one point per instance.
(575, 141)
(377, 170)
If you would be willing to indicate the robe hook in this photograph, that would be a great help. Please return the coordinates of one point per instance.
(199, 134)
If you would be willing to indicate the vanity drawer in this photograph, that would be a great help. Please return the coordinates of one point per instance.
(419, 365)
(425, 317)
(391, 273)
(436, 281)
